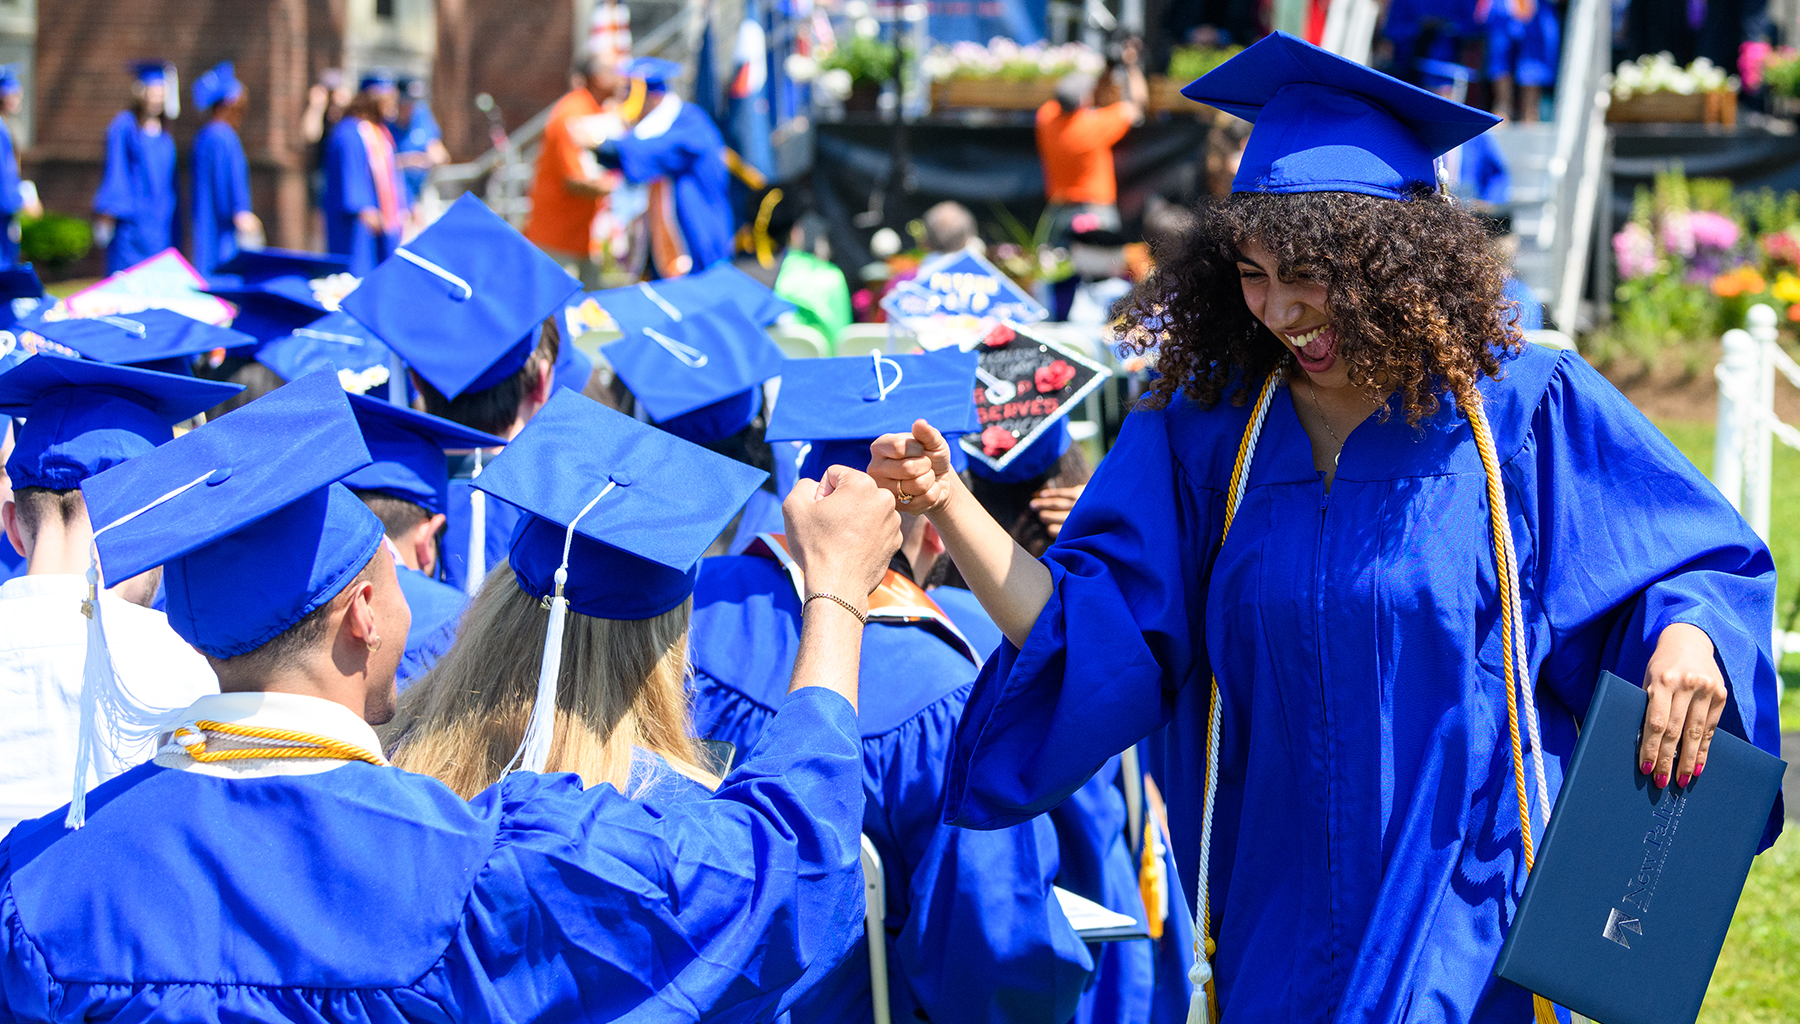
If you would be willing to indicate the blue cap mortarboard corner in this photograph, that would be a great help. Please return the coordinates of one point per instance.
(150, 72)
(376, 78)
(463, 302)
(84, 417)
(839, 405)
(655, 72)
(9, 79)
(158, 339)
(246, 516)
(218, 84)
(407, 448)
(1327, 124)
(710, 362)
(333, 342)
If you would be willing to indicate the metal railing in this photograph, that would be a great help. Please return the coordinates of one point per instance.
(1577, 167)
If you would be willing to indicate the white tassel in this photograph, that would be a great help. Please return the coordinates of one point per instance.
(477, 535)
(97, 675)
(396, 380)
(1199, 975)
(534, 748)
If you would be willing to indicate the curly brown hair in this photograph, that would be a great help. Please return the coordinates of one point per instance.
(1413, 289)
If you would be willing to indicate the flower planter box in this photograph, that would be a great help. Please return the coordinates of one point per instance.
(1675, 108)
(1005, 94)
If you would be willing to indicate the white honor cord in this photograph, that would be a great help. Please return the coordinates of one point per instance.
(1201, 972)
(419, 261)
(534, 748)
(477, 569)
(661, 303)
(880, 383)
(1522, 671)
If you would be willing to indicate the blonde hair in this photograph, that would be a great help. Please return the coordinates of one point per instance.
(623, 685)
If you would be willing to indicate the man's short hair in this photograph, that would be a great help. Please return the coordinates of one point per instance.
(494, 409)
(398, 516)
(290, 646)
(594, 65)
(1073, 89)
(39, 505)
(949, 226)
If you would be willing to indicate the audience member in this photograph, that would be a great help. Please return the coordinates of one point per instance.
(15, 200)
(569, 187)
(418, 142)
(1075, 142)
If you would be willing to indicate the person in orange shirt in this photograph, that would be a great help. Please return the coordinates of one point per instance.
(569, 187)
(1075, 140)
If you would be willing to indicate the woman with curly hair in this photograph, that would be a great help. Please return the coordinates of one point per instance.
(1364, 553)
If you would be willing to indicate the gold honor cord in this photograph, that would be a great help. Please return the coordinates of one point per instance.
(1204, 1006)
(307, 745)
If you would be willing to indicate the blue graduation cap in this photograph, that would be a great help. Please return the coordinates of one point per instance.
(83, 417)
(270, 308)
(698, 376)
(9, 79)
(150, 72)
(464, 302)
(334, 342)
(1327, 124)
(408, 447)
(650, 303)
(375, 78)
(218, 84)
(840, 405)
(655, 72)
(617, 517)
(254, 266)
(245, 515)
(21, 293)
(157, 339)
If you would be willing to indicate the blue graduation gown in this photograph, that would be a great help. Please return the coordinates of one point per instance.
(1133, 981)
(973, 932)
(691, 154)
(415, 136)
(436, 608)
(11, 200)
(370, 894)
(221, 192)
(1365, 857)
(350, 187)
(137, 189)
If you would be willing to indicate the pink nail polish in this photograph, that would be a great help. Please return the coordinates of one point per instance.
(1699, 768)
(1662, 780)
(1685, 779)
(1646, 768)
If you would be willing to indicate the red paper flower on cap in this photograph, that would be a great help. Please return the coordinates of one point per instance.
(997, 439)
(1000, 335)
(1053, 378)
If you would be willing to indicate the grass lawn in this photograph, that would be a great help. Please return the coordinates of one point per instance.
(1758, 977)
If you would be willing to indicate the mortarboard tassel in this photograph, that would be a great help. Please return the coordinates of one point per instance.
(477, 570)
(540, 731)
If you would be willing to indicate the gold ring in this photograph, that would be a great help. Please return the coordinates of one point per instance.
(905, 498)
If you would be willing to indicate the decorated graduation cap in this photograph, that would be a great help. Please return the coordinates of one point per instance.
(9, 79)
(84, 417)
(1327, 124)
(335, 342)
(408, 447)
(654, 72)
(248, 521)
(698, 375)
(617, 517)
(1025, 391)
(840, 405)
(218, 84)
(465, 301)
(157, 339)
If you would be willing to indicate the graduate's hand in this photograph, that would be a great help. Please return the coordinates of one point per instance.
(842, 530)
(915, 468)
(1053, 505)
(1687, 696)
(371, 219)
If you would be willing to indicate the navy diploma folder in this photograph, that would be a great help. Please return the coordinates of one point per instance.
(1634, 886)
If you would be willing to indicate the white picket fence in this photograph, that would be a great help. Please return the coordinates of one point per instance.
(1744, 447)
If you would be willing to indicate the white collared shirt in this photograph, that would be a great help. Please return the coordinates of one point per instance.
(294, 712)
(43, 648)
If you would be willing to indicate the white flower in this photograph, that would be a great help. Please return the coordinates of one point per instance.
(800, 67)
(868, 28)
(836, 83)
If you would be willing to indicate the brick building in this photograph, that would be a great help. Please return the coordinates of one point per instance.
(77, 55)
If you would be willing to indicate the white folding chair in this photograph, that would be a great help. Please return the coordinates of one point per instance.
(875, 930)
(1551, 339)
(862, 339)
(798, 341)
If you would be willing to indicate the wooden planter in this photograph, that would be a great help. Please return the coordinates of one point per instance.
(1674, 108)
(999, 94)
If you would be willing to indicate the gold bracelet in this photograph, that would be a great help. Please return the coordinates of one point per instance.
(815, 595)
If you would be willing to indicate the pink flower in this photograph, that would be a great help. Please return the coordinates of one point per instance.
(997, 439)
(1082, 223)
(1751, 56)
(1634, 251)
(1713, 230)
(1678, 235)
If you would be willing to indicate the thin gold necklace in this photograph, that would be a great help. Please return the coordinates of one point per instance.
(1313, 394)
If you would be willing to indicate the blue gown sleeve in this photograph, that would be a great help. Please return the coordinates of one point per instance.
(984, 940)
(668, 155)
(117, 197)
(237, 185)
(1122, 634)
(356, 183)
(1632, 538)
(713, 908)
